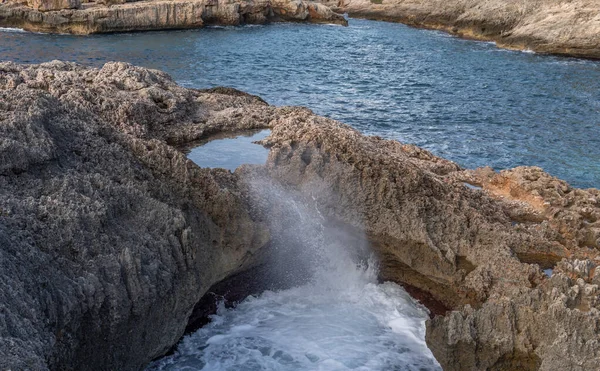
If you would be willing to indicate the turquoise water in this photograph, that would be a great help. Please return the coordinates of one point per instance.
(464, 100)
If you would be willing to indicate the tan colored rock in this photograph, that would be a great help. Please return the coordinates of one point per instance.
(545, 26)
(457, 248)
(546, 206)
(554, 326)
(50, 5)
(304, 11)
(110, 2)
(118, 16)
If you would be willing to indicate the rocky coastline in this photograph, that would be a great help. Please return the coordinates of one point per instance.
(110, 236)
(75, 17)
(569, 28)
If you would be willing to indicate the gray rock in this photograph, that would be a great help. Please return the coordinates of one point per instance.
(108, 235)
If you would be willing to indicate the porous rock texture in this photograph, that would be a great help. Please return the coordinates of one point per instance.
(566, 27)
(473, 255)
(49, 5)
(109, 236)
(58, 16)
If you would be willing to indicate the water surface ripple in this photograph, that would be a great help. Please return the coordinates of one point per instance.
(468, 101)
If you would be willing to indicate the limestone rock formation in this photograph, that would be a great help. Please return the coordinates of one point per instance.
(546, 26)
(119, 16)
(474, 256)
(109, 236)
(49, 5)
(305, 10)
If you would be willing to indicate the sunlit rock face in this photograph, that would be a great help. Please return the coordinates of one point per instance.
(475, 251)
(69, 16)
(50, 5)
(545, 26)
(110, 235)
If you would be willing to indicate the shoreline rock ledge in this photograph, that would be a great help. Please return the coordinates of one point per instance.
(110, 236)
(562, 27)
(104, 16)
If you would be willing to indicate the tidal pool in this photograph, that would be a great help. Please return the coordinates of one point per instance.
(231, 150)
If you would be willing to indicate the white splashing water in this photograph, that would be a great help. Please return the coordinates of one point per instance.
(342, 319)
(8, 29)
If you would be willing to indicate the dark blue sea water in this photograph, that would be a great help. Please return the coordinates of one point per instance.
(464, 100)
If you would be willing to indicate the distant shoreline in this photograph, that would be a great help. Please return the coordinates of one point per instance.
(544, 27)
(78, 18)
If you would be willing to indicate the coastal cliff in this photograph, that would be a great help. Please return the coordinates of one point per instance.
(110, 236)
(99, 17)
(561, 27)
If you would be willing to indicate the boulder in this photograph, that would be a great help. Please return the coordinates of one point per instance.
(297, 10)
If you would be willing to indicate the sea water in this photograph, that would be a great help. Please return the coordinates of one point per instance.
(464, 100)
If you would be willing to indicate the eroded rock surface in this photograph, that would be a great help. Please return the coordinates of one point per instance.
(476, 253)
(547, 26)
(49, 5)
(70, 16)
(109, 236)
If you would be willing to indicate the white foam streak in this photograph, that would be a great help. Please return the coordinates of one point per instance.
(8, 29)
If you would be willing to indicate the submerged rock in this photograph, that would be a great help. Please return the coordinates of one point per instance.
(109, 236)
(546, 26)
(70, 16)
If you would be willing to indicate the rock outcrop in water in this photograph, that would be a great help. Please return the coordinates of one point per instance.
(70, 16)
(109, 236)
(477, 252)
(546, 26)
